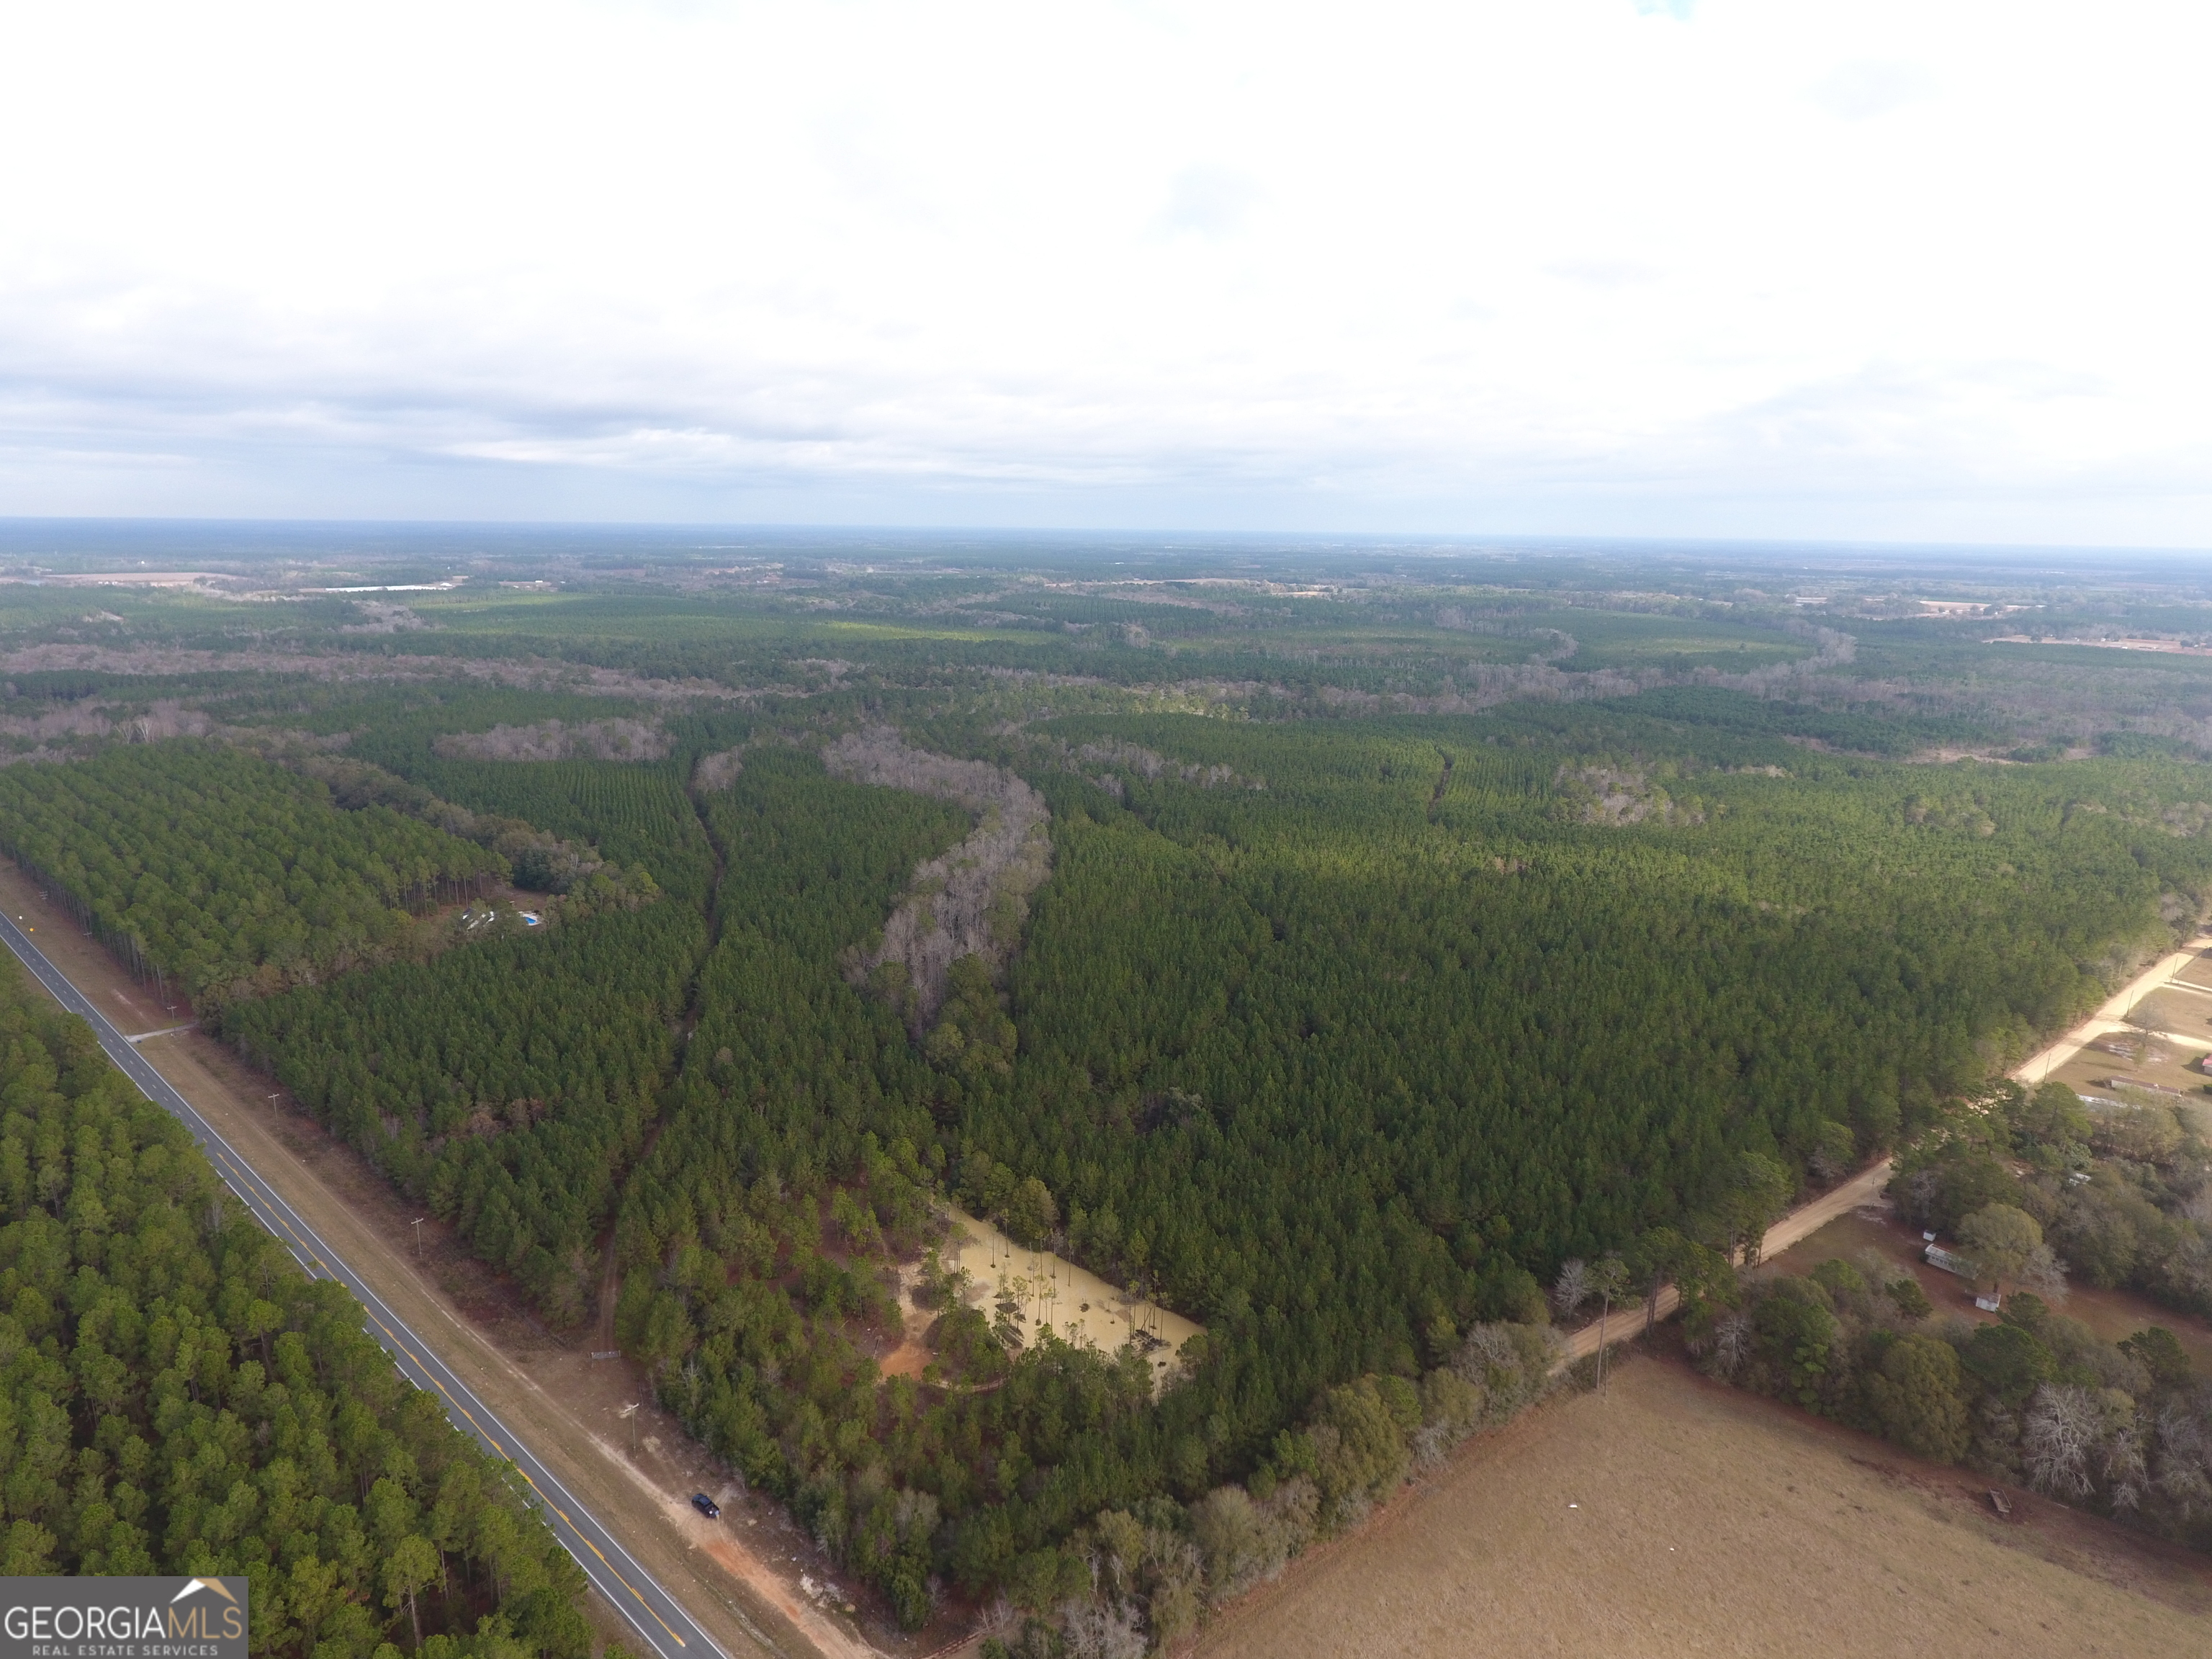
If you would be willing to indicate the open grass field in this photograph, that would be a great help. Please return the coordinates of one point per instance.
(1676, 1516)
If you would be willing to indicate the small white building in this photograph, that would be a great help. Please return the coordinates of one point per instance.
(1951, 1262)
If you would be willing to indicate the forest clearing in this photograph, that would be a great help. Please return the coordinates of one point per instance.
(1037, 1290)
(1676, 1516)
(2123, 1012)
(2154, 1048)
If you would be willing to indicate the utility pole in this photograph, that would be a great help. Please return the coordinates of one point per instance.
(629, 1414)
(417, 1224)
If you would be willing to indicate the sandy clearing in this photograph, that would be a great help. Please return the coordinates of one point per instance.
(909, 1359)
(1080, 1307)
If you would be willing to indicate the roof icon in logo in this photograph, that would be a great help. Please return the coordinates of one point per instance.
(191, 1584)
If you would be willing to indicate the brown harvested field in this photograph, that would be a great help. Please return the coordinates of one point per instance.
(1676, 1516)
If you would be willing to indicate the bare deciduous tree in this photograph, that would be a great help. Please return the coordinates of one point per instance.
(1731, 1341)
(2063, 1427)
(2124, 1470)
(2184, 1459)
(2044, 1273)
(1103, 1630)
(970, 900)
(1572, 1287)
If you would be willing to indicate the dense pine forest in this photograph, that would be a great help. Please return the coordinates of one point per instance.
(226, 873)
(1402, 941)
(1385, 1023)
(180, 1398)
(505, 1085)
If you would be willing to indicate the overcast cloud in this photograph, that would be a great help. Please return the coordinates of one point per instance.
(1593, 266)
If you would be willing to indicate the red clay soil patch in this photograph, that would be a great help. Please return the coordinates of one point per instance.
(908, 1359)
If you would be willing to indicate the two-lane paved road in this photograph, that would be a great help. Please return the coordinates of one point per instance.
(658, 1616)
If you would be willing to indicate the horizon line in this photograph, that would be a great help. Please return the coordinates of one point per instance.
(1488, 539)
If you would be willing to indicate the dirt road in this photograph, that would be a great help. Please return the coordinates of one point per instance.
(2110, 1013)
(1627, 1322)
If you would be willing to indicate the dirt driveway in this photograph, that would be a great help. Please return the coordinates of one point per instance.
(1627, 1322)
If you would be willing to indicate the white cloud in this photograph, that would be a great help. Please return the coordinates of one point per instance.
(1856, 92)
(1474, 265)
(1208, 201)
(1603, 273)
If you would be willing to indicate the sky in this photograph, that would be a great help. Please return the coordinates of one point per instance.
(1927, 272)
